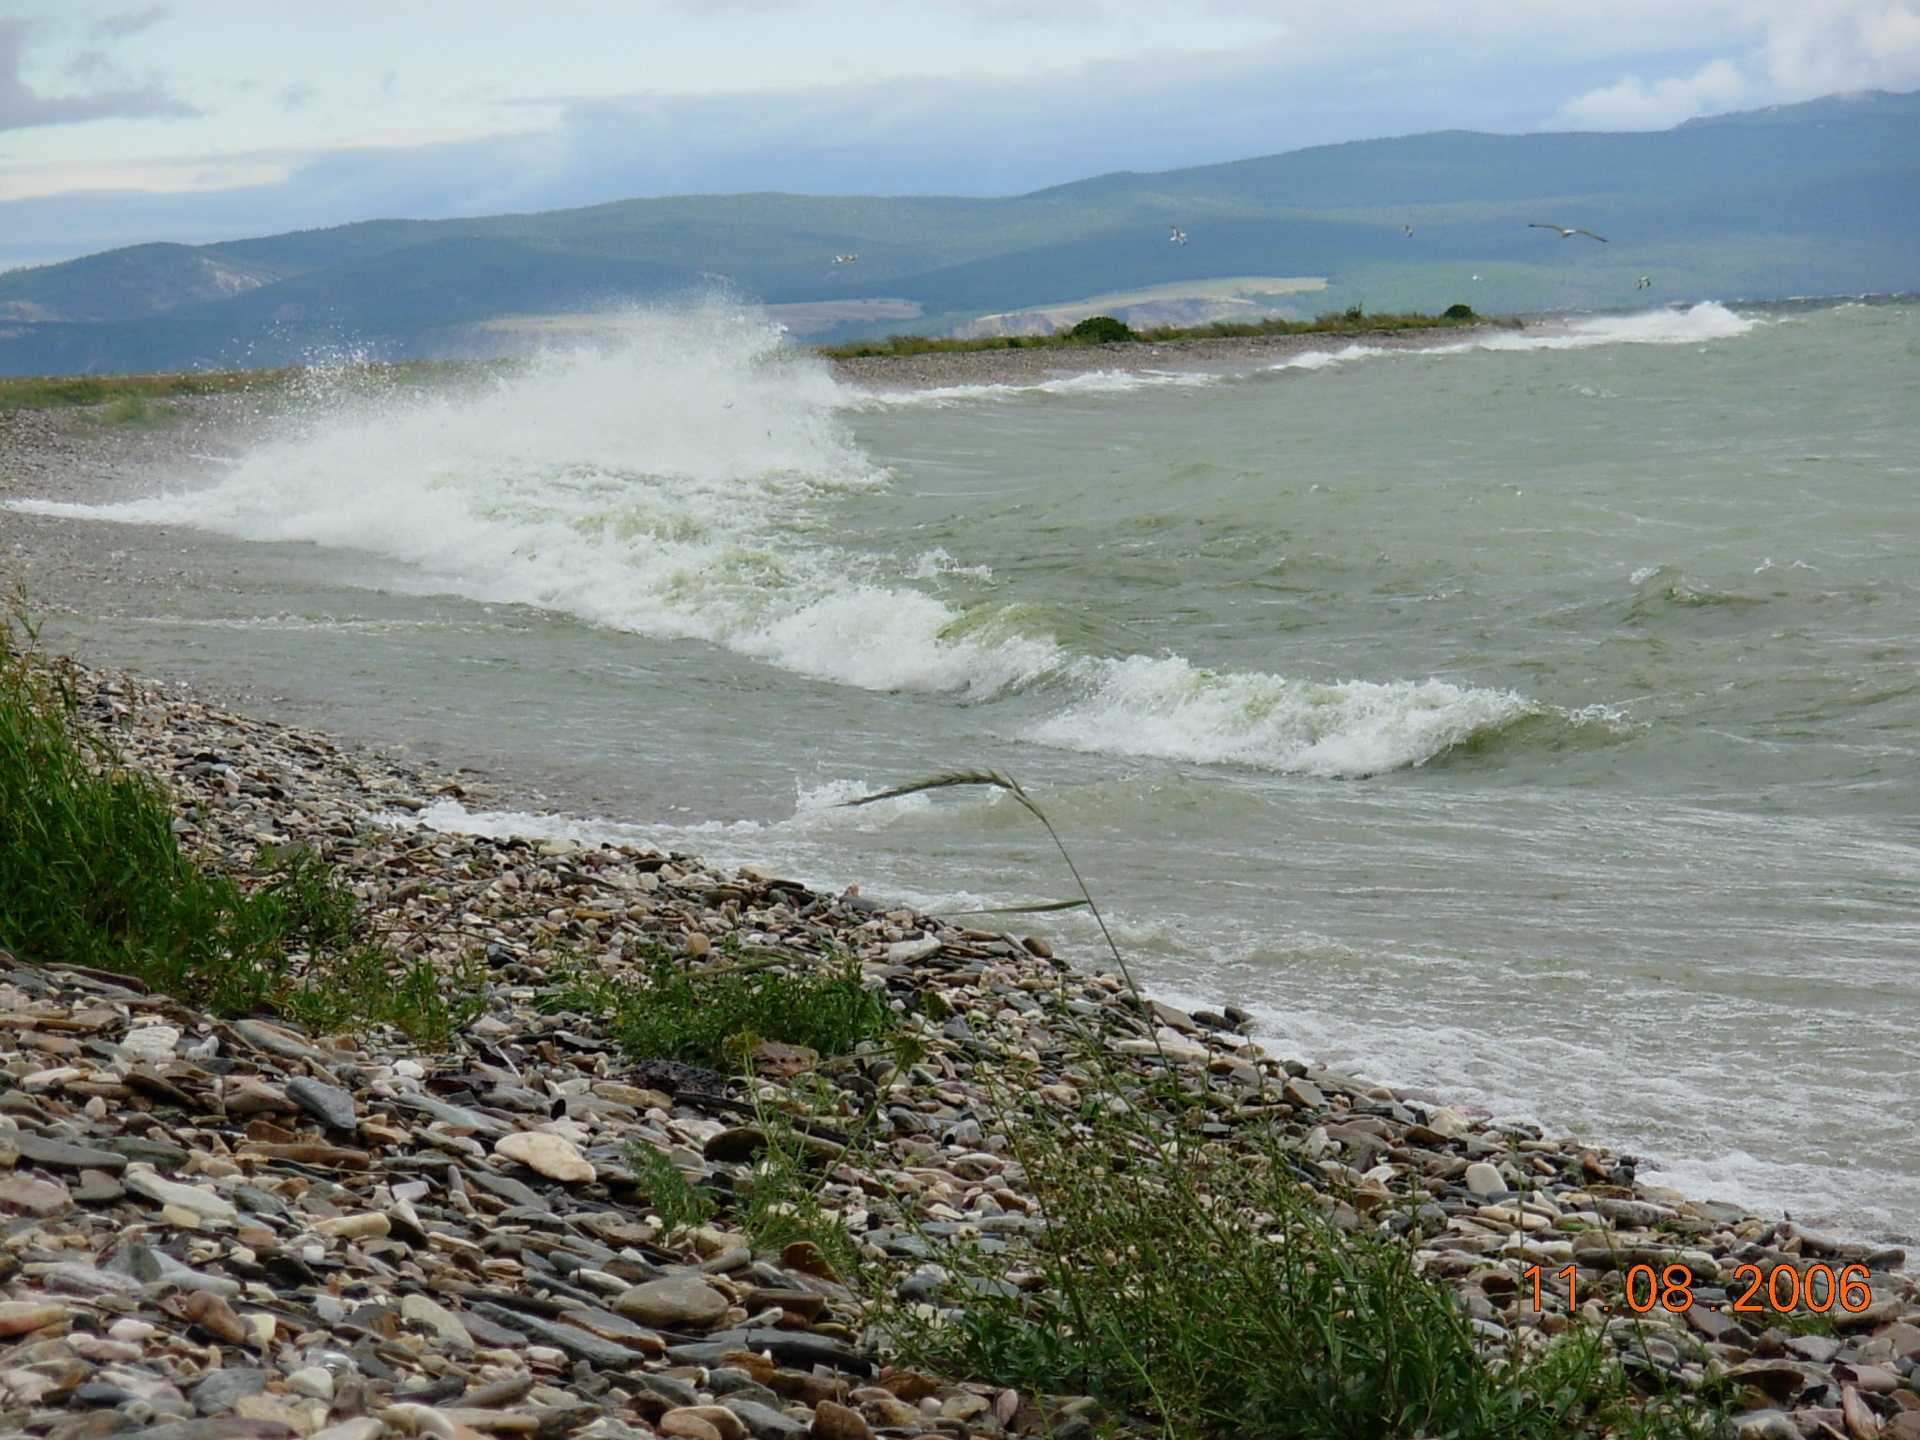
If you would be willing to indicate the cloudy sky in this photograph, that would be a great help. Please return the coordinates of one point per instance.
(192, 120)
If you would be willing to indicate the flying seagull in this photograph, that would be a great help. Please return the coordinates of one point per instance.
(1179, 236)
(1644, 284)
(1408, 229)
(1565, 233)
(845, 259)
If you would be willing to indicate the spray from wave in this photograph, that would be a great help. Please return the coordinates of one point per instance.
(696, 484)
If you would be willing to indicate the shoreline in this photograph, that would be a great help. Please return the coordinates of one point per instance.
(1213, 354)
(261, 781)
(256, 1140)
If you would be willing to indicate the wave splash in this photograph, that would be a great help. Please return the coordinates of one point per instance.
(691, 485)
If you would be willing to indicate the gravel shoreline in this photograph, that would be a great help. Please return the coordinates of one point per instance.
(221, 1228)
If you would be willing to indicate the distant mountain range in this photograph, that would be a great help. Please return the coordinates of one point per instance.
(1813, 199)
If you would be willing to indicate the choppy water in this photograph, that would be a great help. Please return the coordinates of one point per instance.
(1536, 720)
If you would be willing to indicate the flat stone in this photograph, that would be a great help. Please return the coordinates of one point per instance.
(219, 1428)
(446, 1325)
(728, 1425)
(676, 1302)
(361, 1427)
(354, 1227)
(570, 1338)
(73, 1278)
(328, 1104)
(764, 1422)
(1483, 1179)
(98, 1187)
(616, 1328)
(1303, 1092)
(222, 1389)
(275, 1040)
(204, 1203)
(150, 1044)
(550, 1155)
(302, 1416)
(833, 1421)
(686, 1425)
(162, 1154)
(59, 1155)
(34, 1199)
(21, 1317)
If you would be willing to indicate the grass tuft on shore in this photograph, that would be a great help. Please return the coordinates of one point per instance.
(92, 873)
(1208, 1289)
(715, 1016)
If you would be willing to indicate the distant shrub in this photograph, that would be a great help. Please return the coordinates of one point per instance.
(1459, 312)
(1355, 312)
(1101, 330)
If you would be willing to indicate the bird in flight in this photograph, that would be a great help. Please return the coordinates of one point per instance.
(1179, 236)
(845, 259)
(1565, 233)
(1644, 283)
(1408, 229)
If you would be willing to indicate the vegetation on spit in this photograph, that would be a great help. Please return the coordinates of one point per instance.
(130, 399)
(92, 873)
(1106, 330)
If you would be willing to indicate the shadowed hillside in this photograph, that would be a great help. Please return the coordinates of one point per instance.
(1819, 198)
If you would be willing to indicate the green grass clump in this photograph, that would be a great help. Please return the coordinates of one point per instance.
(715, 1017)
(1221, 1297)
(1207, 1289)
(91, 873)
(1101, 330)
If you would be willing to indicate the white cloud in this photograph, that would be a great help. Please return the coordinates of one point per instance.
(1774, 52)
(1632, 104)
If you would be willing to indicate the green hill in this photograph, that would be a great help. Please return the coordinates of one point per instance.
(1819, 198)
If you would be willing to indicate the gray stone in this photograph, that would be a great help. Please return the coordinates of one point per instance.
(670, 1388)
(764, 1422)
(61, 1156)
(222, 1388)
(275, 1040)
(328, 1104)
(677, 1302)
(570, 1338)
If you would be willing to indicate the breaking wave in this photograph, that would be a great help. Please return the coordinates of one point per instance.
(692, 486)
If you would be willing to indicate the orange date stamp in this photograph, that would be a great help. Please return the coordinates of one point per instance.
(1781, 1289)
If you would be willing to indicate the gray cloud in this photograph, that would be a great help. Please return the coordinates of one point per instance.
(927, 136)
(21, 106)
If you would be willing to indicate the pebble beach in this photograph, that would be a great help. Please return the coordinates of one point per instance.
(228, 1227)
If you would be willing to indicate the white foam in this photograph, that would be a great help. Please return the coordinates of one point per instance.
(689, 485)
(1668, 325)
(1092, 382)
(1177, 711)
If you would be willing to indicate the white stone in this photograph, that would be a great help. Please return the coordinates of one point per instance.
(548, 1155)
(150, 1044)
(1483, 1179)
(208, 1206)
(315, 1381)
